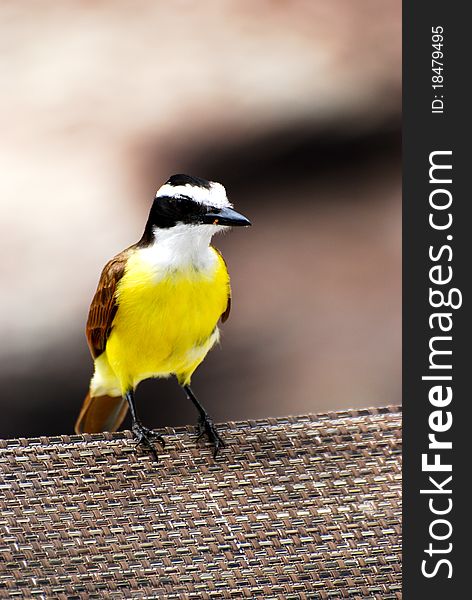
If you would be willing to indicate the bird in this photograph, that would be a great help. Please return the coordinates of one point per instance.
(157, 307)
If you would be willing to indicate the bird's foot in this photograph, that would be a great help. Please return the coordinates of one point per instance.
(206, 426)
(146, 437)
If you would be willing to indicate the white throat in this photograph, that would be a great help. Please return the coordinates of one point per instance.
(182, 246)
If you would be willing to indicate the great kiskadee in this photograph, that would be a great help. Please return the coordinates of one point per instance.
(156, 309)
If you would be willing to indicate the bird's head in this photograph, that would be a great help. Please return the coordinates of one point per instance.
(191, 201)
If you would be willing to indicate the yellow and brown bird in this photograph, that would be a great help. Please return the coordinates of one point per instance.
(156, 309)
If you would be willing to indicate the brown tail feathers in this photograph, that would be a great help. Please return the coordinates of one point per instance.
(101, 413)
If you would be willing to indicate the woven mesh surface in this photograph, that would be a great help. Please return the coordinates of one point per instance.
(300, 507)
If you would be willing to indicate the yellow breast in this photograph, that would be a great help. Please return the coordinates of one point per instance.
(166, 319)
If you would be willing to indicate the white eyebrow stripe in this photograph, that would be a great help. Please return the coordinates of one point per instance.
(215, 196)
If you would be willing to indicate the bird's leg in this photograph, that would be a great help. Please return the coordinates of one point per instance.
(144, 435)
(205, 423)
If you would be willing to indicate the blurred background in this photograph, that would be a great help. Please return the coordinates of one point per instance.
(293, 105)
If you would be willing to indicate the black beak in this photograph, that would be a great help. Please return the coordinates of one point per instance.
(225, 216)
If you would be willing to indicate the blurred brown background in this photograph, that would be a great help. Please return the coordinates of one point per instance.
(293, 106)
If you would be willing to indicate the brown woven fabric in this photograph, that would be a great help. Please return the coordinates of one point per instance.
(293, 508)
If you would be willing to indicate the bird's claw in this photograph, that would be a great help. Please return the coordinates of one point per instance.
(146, 437)
(206, 426)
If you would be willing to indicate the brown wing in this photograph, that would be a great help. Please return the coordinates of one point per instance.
(103, 308)
(225, 315)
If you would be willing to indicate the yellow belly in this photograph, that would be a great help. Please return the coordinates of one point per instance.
(165, 325)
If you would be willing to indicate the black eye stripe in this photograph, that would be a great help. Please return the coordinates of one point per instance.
(167, 211)
(186, 206)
